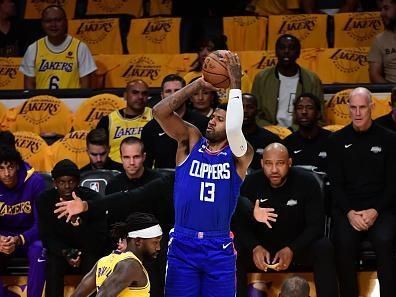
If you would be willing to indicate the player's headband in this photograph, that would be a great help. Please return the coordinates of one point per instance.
(150, 232)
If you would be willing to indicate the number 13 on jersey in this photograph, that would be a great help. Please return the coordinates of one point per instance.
(207, 192)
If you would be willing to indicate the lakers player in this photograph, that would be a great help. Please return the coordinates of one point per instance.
(122, 274)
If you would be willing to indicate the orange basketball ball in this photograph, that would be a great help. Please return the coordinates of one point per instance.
(214, 69)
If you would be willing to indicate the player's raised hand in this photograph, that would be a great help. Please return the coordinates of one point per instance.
(264, 215)
(234, 69)
(70, 208)
(207, 85)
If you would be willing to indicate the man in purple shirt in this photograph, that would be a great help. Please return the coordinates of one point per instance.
(19, 189)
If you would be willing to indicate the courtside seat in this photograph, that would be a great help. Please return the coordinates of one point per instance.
(97, 180)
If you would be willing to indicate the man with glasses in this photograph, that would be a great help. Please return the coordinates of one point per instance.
(98, 152)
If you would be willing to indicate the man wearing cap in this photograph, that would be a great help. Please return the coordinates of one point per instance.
(76, 245)
(122, 273)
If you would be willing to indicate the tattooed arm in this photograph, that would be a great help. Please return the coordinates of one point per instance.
(184, 133)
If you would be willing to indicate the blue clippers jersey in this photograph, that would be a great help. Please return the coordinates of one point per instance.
(206, 189)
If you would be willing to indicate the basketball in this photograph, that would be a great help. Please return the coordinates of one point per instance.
(215, 71)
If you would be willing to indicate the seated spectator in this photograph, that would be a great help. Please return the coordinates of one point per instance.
(308, 145)
(160, 148)
(277, 87)
(258, 137)
(58, 60)
(130, 120)
(294, 286)
(295, 229)
(125, 274)
(204, 102)
(361, 171)
(12, 35)
(98, 151)
(134, 173)
(330, 7)
(71, 246)
(389, 120)
(20, 187)
(382, 55)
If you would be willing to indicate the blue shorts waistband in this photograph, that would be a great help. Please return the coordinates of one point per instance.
(202, 234)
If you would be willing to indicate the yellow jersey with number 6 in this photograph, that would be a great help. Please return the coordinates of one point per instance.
(106, 266)
(57, 70)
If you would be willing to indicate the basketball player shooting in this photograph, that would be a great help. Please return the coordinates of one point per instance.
(209, 172)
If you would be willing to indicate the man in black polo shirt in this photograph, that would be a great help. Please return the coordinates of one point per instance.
(296, 235)
(361, 172)
(308, 145)
(160, 148)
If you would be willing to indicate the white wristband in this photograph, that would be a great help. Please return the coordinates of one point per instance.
(235, 94)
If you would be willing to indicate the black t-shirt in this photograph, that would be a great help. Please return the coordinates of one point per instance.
(387, 122)
(259, 140)
(160, 148)
(299, 206)
(13, 43)
(57, 235)
(109, 165)
(305, 151)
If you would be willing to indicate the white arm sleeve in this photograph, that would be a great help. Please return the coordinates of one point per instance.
(234, 121)
(27, 65)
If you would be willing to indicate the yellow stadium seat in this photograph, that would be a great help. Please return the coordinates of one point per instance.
(282, 132)
(11, 78)
(112, 7)
(246, 33)
(343, 65)
(333, 128)
(336, 109)
(44, 115)
(356, 29)
(160, 7)
(102, 36)
(381, 107)
(34, 150)
(92, 109)
(310, 29)
(3, 113)
(154, 36)
(72, 147)
(33, 8)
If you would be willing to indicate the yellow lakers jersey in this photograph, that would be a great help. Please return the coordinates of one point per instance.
(57, 70)
(105, 267)
(120, 128)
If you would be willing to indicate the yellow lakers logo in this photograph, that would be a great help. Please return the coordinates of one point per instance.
(74, 146)
(156, 30)
(40, 110)
(337, 108)
(19, 208)
(300, 25)
(363, 26)
(29, 145)
(349, 60)
(94, 31)
(245, 21)
(267, 60)
(110, 6)
(103, 106)
(143, 68)
(8, 71)
(40, 5)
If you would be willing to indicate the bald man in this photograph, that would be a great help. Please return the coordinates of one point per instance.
(294, 234)
(294, 286)
(130, 120)
(362, 166)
